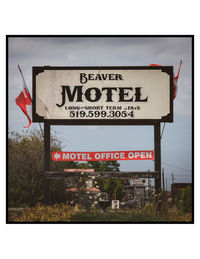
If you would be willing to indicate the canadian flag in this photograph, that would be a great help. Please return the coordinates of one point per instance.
(175, 79)
(24, 100)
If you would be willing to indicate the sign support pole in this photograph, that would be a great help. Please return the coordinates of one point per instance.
(157, 155)
(46, 161)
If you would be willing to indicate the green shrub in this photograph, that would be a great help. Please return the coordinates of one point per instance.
(41, 213)
(183, 200)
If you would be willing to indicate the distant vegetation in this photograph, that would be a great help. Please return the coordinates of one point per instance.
(66, 213)
(26, 166)
(26, 183)
(183, 200)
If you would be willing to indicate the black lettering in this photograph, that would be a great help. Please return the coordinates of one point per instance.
(90, 76)
(97, 94)
(109, 92)
(122, 94)
(83, 78)
(138, 95)
(104, 76)
(112, 77)
(119, 77)
(98, 77)
(77, 90)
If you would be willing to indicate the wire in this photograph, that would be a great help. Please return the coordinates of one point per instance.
(182, 175)
(181, 178)
(187, 170)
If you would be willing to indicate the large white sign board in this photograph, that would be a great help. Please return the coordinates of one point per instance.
(102, 95)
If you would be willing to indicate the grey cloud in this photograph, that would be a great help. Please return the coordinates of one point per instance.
(82, 51)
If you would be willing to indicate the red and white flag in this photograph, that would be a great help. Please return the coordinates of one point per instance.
(24, 100)
(175, 79)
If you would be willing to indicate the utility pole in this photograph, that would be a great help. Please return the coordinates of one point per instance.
(172, 178)
(166, 183)
(149, 187)
(47, 136)
(157, 159)
(163, 179)
(172, 186)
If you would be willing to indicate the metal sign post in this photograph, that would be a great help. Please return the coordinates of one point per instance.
(47, 141)
(157, 153)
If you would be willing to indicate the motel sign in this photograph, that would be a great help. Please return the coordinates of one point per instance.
(103, 96)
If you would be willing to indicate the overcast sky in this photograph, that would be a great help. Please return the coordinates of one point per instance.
(113, 51)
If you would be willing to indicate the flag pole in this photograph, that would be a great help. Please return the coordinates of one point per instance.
(25, 86)
(179, 68)
(27, 92)
(24, 98)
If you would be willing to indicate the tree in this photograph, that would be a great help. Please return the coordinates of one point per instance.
(183, 199)
(101, 166)
(26, 166)
(112, 187)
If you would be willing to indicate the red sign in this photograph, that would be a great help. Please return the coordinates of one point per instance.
(103, 156)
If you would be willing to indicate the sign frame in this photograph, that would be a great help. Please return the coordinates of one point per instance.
(117, 122)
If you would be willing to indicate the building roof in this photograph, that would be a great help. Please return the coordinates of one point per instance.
(79, 170)
(92, 189)
(75, 189)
